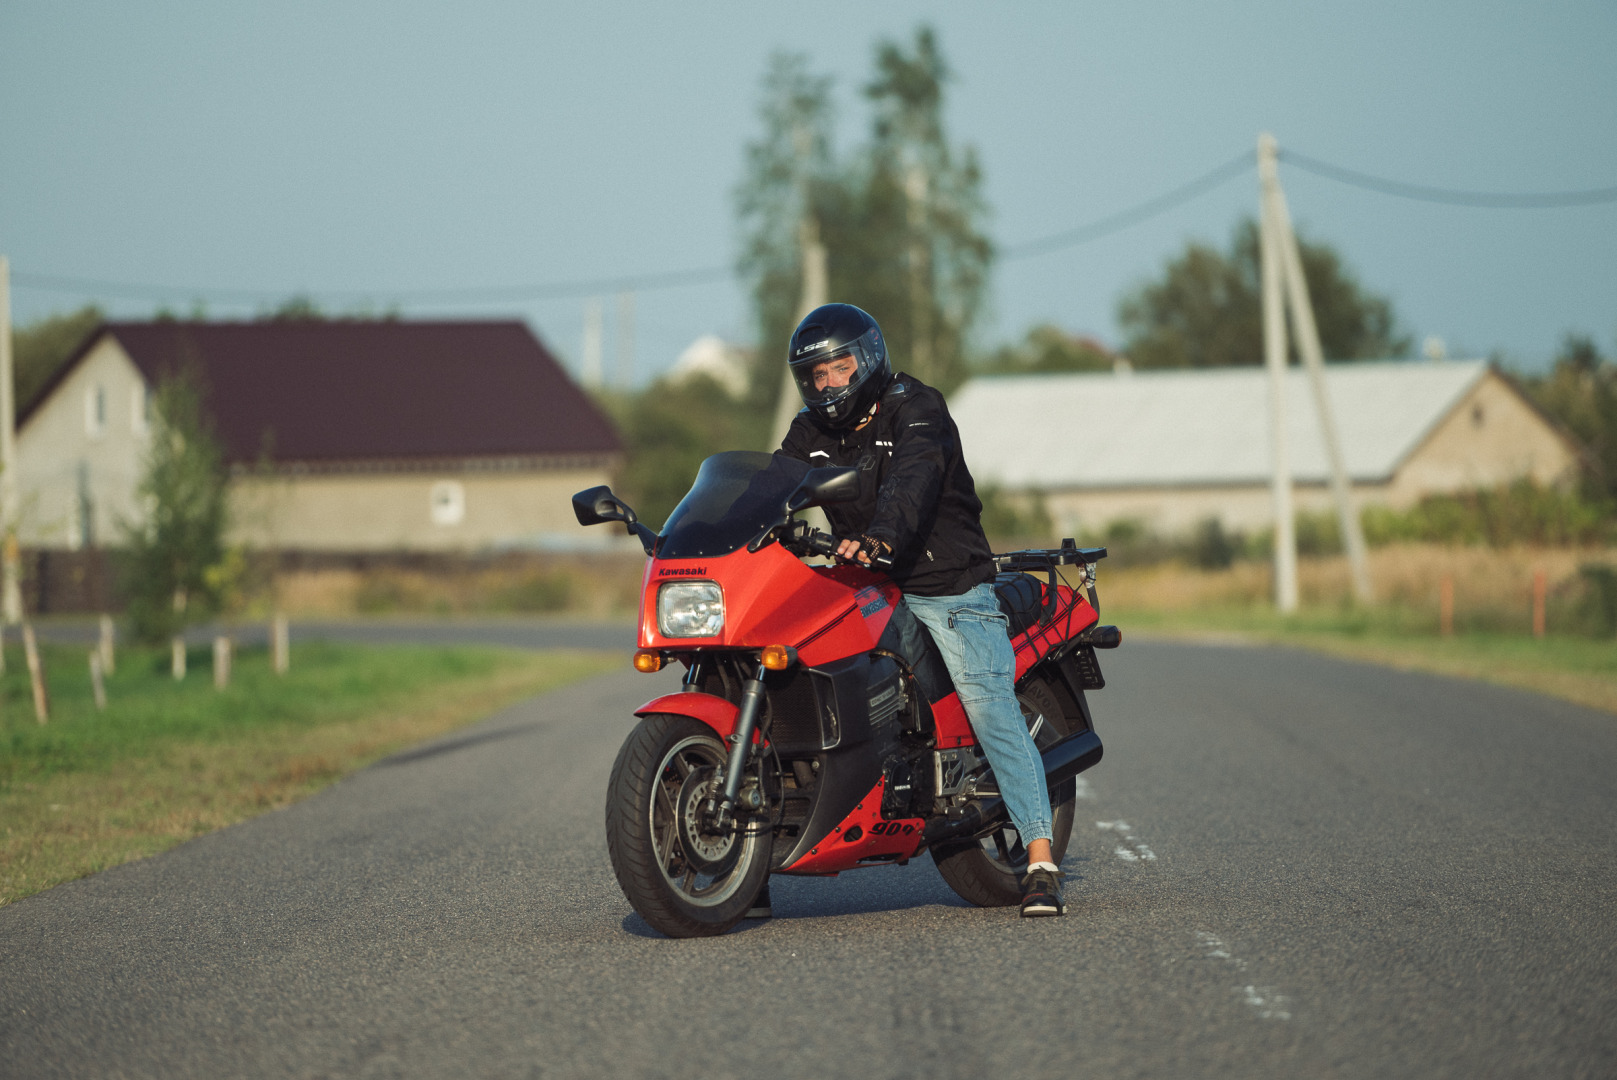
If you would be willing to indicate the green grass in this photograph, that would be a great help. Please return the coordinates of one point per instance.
(170, 760)
(1579, 669)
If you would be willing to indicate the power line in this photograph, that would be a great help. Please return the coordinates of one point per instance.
(1134, 215)
(676, 279)
(673, 279)
(1533, 200)
(545, 291)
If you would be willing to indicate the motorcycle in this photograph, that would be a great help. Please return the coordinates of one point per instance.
(816, 729)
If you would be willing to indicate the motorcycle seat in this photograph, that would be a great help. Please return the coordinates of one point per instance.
(1021, 598)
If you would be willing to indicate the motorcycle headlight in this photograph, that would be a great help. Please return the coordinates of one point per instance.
(687, 609)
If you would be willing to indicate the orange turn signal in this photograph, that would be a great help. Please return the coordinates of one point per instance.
(648, 661)
(779, 657)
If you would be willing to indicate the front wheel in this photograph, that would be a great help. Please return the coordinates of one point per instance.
(988, 872)
(684, 878)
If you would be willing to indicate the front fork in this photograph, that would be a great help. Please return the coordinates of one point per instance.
(722, 806)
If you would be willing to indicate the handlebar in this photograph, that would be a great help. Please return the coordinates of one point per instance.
(823, 543)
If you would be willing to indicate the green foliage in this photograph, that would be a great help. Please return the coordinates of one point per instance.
(1048, 348)
(1580, 393)
(1518, 513)
(42, 347)
(668, 429)
(298, 308)
(900, 217)
(1211, 547)
(177, 569)
(1597, 607)
(1207, 309)
(1013, 521)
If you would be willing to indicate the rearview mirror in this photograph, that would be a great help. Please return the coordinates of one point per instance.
(823, 486)
(598, 505)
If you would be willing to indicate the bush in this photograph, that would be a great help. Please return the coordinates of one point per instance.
(1211, 548)
(1522, 512)
(1597, 607)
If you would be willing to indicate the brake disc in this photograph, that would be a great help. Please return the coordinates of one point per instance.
(707, 849)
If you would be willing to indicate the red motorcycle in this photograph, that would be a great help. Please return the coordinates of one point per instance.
(817, 730)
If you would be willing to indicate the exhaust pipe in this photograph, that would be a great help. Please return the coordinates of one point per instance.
(1063, 761)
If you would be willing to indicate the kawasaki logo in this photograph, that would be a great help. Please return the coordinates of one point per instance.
(696, 571)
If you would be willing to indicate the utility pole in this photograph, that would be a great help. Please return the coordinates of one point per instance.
(1302, 317)
(10, 585)
(625, 340)
(816, 282)
(594, 330)
(915, 189)
(816, 287)
(1274, 355)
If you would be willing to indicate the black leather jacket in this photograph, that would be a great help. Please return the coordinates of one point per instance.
(915, 492)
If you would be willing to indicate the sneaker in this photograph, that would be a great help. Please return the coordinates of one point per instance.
(760, 906)
(1041, 892)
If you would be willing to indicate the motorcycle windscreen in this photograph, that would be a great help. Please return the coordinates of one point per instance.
(736, 495)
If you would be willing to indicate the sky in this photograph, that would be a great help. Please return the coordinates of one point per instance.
(371, 154)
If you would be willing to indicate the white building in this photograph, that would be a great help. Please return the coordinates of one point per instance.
(1172, 448)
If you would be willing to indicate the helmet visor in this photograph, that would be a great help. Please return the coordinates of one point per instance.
(828, 380)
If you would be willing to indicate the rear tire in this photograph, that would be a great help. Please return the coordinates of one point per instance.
(682, 881)
(988, 872)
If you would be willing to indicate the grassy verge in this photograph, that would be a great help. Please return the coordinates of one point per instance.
(169, 761)
(1577, 669)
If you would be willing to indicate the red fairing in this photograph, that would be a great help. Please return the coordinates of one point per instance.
(861, 835)
(822, 620)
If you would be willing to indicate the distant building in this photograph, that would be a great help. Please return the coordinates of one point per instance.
(342, 436)
(727, 364)
(1172, 448)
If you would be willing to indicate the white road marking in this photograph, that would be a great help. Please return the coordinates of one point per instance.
(1084, 791)
(1128, 849)
(1266, 1001)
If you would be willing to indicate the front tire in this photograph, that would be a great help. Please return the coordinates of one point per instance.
(684, 881)
(988, 872)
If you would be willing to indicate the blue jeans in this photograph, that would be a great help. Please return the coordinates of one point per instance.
(970, 632)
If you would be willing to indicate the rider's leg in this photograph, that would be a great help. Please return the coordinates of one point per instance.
(970, 633)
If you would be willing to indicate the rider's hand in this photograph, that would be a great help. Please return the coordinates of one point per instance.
(862, 550)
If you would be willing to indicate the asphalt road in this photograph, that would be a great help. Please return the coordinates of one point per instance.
(1286, 866)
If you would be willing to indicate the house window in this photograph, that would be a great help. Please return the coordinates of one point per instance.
(1477, 416)
(448, 503)
(95, 411)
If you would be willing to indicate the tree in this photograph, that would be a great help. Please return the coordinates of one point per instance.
(789, 174)
(1207, 310)
(1580, 392)
(41, 348)
(1048, 349)
(900, 217)
(174, 572)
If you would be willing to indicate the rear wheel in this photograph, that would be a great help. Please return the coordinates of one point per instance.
(684, 877)
(988, 872)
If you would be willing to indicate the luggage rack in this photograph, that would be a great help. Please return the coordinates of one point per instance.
(1068, 554)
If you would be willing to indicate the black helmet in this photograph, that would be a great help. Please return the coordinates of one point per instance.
(834, 332)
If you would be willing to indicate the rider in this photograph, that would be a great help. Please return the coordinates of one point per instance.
(917, 504)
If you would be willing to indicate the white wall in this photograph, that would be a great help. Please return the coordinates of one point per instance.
(80, 456)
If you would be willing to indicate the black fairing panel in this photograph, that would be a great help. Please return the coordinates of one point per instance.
(857, 701)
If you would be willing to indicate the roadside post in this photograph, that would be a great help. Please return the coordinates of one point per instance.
(1540, 588)
(98, 685)
(36, 674)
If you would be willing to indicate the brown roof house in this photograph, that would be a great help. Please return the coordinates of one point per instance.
(342, 436)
